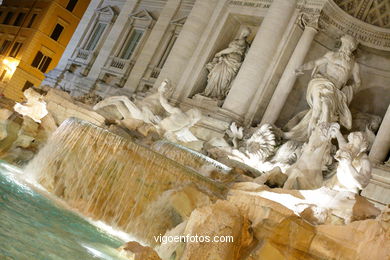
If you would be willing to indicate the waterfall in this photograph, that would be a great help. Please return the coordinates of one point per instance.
(110, 178)
(188, 157)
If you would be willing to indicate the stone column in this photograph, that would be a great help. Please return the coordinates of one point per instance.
(154, 40)
(111, 39)
(381, 147)
(259, 56)
(187, 42)
(289, 77)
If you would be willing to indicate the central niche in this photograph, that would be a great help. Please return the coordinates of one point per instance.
(225, 59)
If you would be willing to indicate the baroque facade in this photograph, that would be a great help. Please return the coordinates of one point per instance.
(129, 47)
(33, 36)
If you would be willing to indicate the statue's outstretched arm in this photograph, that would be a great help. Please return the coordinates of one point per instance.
(311, 65)
(168, 107)
(335, 133)
(162, 89)
(228, 50)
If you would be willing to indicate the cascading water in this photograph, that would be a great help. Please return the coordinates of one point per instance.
(194, 160)
(110, 178)
(187, 157)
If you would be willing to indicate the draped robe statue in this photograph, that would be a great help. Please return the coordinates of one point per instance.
(329, 91)
(224, 67)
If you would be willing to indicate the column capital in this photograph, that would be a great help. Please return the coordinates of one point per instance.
(306, 20)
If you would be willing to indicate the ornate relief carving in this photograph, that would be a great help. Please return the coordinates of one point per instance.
(379, 14)
(350, 6)
(334, 19)
(376, 12)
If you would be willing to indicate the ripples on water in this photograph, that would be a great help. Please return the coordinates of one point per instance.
(32, 227)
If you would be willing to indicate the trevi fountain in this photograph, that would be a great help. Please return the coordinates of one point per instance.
(267, 123)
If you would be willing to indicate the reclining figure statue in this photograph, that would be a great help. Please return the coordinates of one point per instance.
(155, 109)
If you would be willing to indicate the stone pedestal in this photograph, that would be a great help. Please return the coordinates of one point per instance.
(260, 56)
(289, 77)
(380, 148)
(206, 101)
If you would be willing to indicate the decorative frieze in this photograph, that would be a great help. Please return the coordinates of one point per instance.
(304, 5)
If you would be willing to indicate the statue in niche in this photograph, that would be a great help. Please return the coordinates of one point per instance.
(330, 90)
(354, 168)
(224, 67)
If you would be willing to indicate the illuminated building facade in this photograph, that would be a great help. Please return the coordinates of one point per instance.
(33, 36)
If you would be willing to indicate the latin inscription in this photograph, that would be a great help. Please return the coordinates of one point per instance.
(251, 3)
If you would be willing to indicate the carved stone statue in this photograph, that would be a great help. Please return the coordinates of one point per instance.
(329, 92)
(35, 107)
(177, 125)
(155, 109)
(224, 67)
(148, 110)
(128, 109)
(306, 173)
(354, 169)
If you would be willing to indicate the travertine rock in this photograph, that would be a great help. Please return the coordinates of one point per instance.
(4, 115)
(219, 219)
(135, 251)
(284, 235)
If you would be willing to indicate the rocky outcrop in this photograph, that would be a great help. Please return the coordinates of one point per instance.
(222, 219)
(135, 251)
(284, 224)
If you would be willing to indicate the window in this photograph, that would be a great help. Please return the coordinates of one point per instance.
(19, 19)
(27, 85)
(57, 32)
(71, 5)
(4, 48)
(95, 36)
(167, 51)
(30, 23)
(15, 49)
(130, 45)
(2, 75)
(8, 18)
(41, 62)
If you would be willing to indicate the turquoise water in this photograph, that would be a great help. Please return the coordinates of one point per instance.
(33, 227)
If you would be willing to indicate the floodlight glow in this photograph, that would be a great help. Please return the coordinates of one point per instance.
(10, 65)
